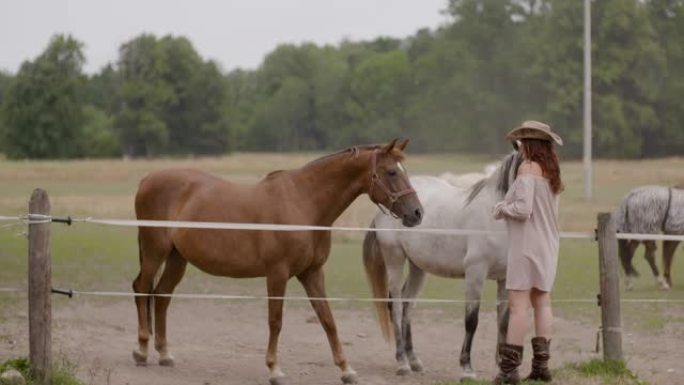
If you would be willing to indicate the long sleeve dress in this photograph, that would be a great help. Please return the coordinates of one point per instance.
(531, 211)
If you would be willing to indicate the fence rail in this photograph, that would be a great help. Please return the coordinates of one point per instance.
(40, 289)
(76, 293)
(40, 218)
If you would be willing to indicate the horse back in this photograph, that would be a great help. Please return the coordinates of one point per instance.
(189, 195)
(162, 194)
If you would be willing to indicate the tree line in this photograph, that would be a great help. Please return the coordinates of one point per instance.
(459, 87)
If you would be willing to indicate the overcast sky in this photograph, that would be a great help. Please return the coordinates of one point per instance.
(235, 33)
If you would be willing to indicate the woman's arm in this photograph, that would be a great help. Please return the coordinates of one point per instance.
(519, 204)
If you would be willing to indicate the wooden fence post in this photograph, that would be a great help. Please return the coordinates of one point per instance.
(611, 321)
(40, 287)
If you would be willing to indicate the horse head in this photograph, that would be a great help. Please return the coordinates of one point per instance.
(390, 186)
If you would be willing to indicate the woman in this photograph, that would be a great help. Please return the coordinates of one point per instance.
(530, 209)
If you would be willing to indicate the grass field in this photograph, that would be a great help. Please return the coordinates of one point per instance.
(92, 257)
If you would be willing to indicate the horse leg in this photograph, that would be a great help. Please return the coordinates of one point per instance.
(501, 315)
(630, 271)
(174, 269)
(474, 279)
(412, 286)
(669, 248)
(394, 262)
(152, 254)
(649, 254)
(275, 283)
(314, 284)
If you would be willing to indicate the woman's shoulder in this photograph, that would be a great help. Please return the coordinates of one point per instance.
(529, 167)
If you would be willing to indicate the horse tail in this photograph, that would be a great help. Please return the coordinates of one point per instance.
(149, 299)
(376, 272)
(623, 251)
(622, 225)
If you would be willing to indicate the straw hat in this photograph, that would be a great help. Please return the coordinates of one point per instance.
(531, 129)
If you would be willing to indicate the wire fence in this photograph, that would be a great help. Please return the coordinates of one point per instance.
(41, 219)
(38, 218)
(72, 293)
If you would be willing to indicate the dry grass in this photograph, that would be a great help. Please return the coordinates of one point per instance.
(107, 187)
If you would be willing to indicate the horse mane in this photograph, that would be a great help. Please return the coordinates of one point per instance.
(501, 176)
(274, 173)
(354, 150)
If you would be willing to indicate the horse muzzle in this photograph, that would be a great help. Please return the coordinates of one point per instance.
(413, 218)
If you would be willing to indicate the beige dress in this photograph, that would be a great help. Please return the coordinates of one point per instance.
(531, 212)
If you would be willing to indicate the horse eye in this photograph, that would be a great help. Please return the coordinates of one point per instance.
(392, 172)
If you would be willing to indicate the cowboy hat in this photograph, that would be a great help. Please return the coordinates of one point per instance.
(532, 129)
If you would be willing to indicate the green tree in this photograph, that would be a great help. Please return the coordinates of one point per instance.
(627, 64)
(144, 93)
(668, 21)
(98, 139)
(555, 37)
(194, 114)
(103, 89)
(43, 107)
(378, 88)
(5, 80)
(171, 100)
(490, 33)
(239, 105)
(286, 118)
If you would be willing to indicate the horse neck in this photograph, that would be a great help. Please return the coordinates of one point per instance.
(332, 184)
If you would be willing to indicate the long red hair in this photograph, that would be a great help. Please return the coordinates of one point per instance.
(544, 153)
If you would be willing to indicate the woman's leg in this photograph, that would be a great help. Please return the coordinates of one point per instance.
(511, 352)
(543, 316)
(518, 323)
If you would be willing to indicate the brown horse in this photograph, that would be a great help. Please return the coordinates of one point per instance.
(315, 194)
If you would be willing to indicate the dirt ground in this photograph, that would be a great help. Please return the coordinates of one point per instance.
(216, 342)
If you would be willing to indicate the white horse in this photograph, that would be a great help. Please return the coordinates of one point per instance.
(473, 257)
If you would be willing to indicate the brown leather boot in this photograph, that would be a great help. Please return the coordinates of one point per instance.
(540, 361)
(511, 356)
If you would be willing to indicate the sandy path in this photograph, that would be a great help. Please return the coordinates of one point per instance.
(224, 343)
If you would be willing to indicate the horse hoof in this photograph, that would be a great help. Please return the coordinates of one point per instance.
(416, 365)
(403, 370)
(139, 358)
(468, 375)
(166, 361)
(629, 285)
(662, 283)
(349, 377)
(277, 376)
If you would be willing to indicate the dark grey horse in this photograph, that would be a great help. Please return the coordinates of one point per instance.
(650, 210)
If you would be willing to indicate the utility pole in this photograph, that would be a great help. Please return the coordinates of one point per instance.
(587, 101)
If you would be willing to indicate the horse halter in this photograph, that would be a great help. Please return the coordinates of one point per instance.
(392, 195)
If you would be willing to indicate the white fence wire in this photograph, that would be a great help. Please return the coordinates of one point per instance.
(38, 219)
(70, 293)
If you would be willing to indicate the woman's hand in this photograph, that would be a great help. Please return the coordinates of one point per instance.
(497, 213)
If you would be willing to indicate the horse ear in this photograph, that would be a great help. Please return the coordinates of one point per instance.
(390, 146)
(402, 145)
